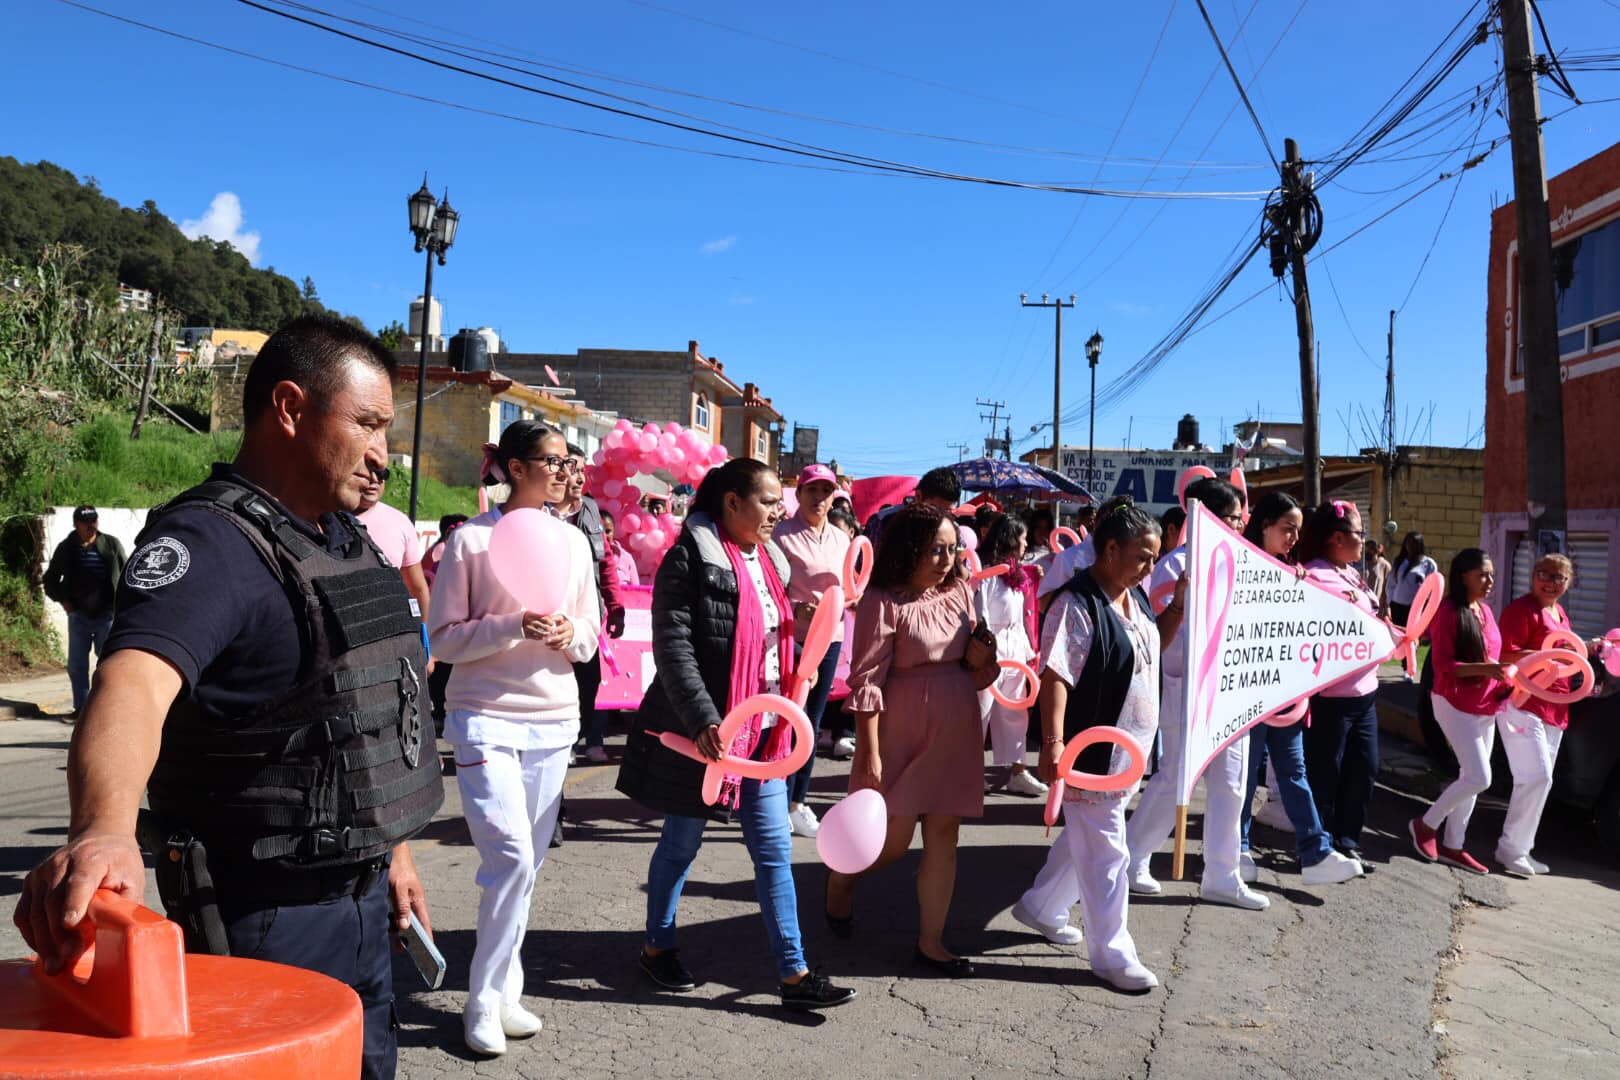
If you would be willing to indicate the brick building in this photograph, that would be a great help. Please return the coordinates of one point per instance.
(750, 425)
(1584, 204)
(648, 386)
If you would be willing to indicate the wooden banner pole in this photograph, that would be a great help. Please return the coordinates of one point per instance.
(1181, 843)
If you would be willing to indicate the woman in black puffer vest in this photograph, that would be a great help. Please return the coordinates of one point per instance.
(715, 645)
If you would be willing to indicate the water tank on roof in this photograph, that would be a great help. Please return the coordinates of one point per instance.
(469, 351)
(492, 340)
(1187, 432)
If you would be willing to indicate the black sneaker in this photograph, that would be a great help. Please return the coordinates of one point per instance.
(667, 971)
(814, 991)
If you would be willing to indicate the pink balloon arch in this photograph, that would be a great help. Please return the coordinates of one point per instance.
(673, 452)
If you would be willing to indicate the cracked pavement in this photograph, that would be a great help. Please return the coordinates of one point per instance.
(1413, 971)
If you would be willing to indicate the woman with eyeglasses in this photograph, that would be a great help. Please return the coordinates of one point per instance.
(1274, 528)
(1226, 780)
(1531, 734)
(1099, 666)
(1341, 744)
(913, 683)
(1464, 646)
(1406, 578)
(511, 716)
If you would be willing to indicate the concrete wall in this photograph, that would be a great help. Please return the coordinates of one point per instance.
(457, 420)
(645, 385)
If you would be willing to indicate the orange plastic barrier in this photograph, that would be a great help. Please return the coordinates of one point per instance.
(136, 1005)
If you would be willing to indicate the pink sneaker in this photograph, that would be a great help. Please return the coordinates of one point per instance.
(1462, 860)
(1424, 840)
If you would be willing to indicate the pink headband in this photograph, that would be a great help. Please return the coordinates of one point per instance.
(491, 466)
(1342, 508)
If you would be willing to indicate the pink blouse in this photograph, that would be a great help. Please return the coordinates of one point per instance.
(1346, 582)
(1478, 697)
(901, 630)
(1525, 625)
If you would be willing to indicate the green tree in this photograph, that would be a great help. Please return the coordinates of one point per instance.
(393, 335)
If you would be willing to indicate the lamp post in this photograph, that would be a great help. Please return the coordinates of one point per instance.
(1093, 354)
(433, 223)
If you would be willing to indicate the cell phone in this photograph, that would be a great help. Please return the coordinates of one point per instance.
(424, 954)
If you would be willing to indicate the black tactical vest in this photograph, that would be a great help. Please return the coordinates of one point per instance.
(334, 771)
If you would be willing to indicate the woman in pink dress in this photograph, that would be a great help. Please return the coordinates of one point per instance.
(915, 701)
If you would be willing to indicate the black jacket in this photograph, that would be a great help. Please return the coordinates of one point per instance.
(694, 621)
(1103, 684)
(64, 584)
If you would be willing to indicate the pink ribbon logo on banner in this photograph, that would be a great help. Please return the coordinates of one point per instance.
(1222, 578)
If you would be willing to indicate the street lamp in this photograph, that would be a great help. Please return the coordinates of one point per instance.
(433, 223)
(1093, 354)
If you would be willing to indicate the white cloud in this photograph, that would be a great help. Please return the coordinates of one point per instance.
(715, 247)
(223, 221)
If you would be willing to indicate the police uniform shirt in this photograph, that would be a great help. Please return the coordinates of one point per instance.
(197, 593)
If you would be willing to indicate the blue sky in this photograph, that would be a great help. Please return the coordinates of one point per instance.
(877, 307)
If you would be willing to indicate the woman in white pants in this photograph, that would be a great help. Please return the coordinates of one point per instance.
(511, 716)
(1226, 781)
(1464, 645)
(1531, 734)
(1099, 666)
(1006, 604)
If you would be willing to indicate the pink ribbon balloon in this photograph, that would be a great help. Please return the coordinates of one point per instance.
(1028, 700)
(1610, 651)
(1424, 605)
(1534, 674)
(824, 623)
(1061, 532)
(1066, 774)
(989, 572)
(1188, 475)
(856, 577)
(715, 772)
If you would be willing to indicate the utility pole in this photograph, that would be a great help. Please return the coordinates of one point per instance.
(1538, 313)
(1057, 307)
(961, 449)
(992, 444)
(1293, 225)
(151, 370)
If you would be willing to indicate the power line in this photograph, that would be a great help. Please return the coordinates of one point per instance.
(780, 146)
(1237, 82)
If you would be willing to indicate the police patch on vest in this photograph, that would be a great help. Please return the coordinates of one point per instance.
(161, 562)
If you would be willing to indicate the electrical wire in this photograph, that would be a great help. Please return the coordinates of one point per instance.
(778, 146)
(1259, 128)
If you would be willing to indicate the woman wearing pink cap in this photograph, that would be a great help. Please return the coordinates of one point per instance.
(815, 549)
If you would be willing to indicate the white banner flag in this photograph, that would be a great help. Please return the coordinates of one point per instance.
(1259, 639)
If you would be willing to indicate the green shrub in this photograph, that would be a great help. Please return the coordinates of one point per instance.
(104, 442)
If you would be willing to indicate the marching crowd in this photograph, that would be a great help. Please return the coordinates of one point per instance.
(1101, 623)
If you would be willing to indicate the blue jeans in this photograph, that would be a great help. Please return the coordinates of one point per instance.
(84, 633)
(814, 706)
(1287, 748)
(1341, 759)
(764, 820)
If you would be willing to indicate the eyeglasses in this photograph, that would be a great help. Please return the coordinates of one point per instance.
(381, 474)
(555, 463)
(942, 550)
(1235, 520)
(1551, 578)
(1359, 534)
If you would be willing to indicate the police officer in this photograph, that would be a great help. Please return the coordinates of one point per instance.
(262, 685)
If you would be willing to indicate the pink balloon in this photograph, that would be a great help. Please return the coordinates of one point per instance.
(972, 540)
(667, 440)
(598, 457)
(676, 458)
(611, 488)
(828, 618)
(855, 577)
(631, 522)
(648, 442)
(529, 552)
(1610, 651)
(614, 440)
(804, 744)
(655, 538)
(1034, 684)
(623, 425)
(674, 429)
(1092, 781)
(852, 832)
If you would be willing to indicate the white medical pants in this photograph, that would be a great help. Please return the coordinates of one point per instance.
(1532, 747)
(510, 798)
(1471, 738)
(1226, 784)
(1088, 863)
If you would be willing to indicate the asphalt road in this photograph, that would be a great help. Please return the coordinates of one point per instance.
(1413, 971)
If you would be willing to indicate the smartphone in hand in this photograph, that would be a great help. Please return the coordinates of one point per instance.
(424, 954)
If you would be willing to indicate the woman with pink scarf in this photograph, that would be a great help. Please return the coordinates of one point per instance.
(721, 630)
(1007, 605)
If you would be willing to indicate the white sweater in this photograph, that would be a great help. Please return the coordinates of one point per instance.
(475, 624)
